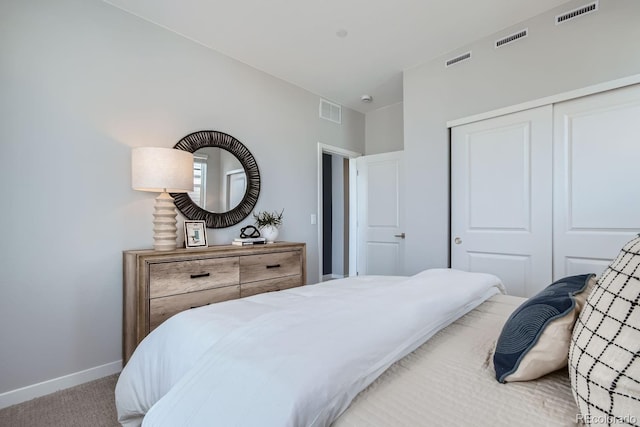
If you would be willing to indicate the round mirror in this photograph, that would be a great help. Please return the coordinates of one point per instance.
(226, 179)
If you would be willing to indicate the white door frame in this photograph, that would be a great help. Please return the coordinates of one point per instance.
(330, 149)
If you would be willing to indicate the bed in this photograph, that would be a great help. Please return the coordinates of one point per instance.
(365, 351)
(450, 381)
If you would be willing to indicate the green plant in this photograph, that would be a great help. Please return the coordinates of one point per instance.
(265, 218)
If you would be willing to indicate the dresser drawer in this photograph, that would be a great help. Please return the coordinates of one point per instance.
(159, 284)
(160, 309)
(262, 286)
(269, 266)
(178, 277)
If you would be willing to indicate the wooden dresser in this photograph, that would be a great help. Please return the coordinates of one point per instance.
(158, 285)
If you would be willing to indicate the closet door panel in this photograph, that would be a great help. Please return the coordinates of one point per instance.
(513, 270)
(596, 179)
(499, 181)
(584, 265)
(501, 199)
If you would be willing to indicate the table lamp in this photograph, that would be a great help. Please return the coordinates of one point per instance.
(164, 171)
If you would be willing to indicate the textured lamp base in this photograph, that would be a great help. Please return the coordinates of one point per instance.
(164, 223)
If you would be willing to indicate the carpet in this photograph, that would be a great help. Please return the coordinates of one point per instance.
(87, 405)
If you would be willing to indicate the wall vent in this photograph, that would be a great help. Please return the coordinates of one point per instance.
(591, 7)
(330, 111)
(512, 37)
(458, 59)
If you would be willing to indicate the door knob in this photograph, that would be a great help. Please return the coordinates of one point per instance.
(401, 235)
(457, 240)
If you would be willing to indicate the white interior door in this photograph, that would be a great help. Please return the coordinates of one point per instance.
(501, 199)
(596, 179)
(380, 213)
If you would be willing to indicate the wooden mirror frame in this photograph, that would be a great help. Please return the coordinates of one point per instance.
(212, 138)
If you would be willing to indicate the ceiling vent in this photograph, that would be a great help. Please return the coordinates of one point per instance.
(512, 37)
(568, 16)
(457, 59)
(330, 111)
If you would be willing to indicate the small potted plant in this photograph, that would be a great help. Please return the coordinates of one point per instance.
(268, 223)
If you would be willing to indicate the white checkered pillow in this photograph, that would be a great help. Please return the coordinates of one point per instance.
(604, 356)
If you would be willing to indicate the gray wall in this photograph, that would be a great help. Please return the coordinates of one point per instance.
(591, 49)
(213, 199)
(384, 130)
(82, 82)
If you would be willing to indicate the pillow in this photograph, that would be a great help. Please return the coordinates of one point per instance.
(604, 356)
(535, 339)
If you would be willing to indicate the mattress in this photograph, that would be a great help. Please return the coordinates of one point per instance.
(450, 381)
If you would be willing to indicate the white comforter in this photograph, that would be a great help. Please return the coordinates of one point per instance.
(291, 358)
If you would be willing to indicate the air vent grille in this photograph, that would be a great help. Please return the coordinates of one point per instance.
(511, 38)
(591, 7)
(458, 59)
(330, 111)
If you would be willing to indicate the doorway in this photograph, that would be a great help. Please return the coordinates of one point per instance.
(335, 231)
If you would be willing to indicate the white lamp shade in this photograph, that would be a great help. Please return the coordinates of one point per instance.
(161, 169)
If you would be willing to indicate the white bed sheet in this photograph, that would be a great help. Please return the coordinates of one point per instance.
(294, 358)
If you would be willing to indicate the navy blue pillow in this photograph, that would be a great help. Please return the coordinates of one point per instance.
(525, 325)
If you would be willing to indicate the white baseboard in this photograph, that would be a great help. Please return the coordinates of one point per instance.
(23, 394)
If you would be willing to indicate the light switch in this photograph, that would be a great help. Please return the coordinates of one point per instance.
(314, 219)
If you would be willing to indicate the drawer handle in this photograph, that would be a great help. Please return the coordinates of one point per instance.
(195, 276)
(197, 306)
(273, 266)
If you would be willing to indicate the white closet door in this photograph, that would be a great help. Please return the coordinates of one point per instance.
(596, 179)
(501, 199)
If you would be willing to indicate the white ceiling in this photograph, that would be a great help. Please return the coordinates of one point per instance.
(296, 40)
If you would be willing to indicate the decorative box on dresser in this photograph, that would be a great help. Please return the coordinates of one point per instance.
(158, 285)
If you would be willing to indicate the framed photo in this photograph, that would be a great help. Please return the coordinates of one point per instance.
(195, 234)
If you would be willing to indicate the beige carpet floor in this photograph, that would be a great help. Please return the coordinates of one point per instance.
(87, 405)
